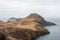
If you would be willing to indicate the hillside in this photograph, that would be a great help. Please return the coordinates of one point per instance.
(28, 28)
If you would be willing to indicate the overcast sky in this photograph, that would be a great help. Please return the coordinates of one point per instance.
(22, 8)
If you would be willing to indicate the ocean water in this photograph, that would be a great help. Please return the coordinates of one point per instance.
(54, 31)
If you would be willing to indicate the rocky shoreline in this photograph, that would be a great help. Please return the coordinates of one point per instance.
(21, 34)
(28, 28)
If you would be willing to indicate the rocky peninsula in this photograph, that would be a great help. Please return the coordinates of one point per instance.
(28, 28)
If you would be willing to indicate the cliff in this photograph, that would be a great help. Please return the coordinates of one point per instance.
(20, 34)
(28, 28)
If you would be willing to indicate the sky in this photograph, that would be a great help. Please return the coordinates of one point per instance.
(22, 8)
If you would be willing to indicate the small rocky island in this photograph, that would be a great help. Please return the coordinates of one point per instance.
(28, 28)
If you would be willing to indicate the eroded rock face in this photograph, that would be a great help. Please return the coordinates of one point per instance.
(20, 34)
(2, 36)
(23, 34)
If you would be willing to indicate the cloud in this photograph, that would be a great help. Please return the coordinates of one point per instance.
(10, 8)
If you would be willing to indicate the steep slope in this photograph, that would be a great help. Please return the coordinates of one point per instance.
(40, 19)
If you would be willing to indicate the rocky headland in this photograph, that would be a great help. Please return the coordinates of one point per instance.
(28, 28)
